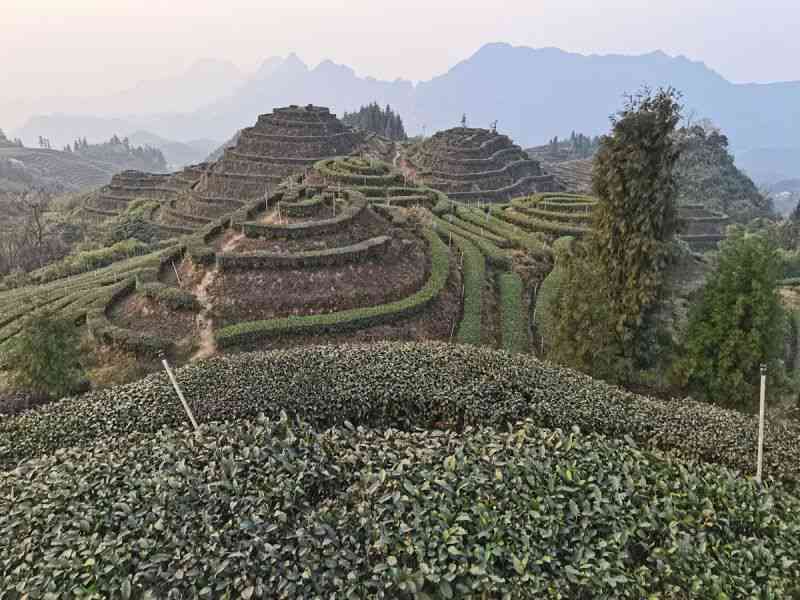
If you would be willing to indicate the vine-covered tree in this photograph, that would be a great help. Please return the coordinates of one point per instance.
(737, 324)
(373, 118)
(613, 280)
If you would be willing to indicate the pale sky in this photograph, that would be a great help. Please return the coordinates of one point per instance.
(95, 47)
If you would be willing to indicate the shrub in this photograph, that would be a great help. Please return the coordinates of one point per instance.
(469, 329)
(274, 509)
(512, 312)
(533, 243)
(737, 324)
(535, 224)
(496, 257)
(170, 297)
(43, 358)
(406, 386)
(202, 255)
(361, 251)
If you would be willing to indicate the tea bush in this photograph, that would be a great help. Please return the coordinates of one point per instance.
(274, 509)
(406, 386)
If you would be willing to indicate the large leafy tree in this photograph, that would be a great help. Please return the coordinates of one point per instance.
(737, 324)
(613, 281)
(43, 357)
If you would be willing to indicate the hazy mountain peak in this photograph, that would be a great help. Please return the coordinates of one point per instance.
(293, 63)
(327, 66)
(268, 67)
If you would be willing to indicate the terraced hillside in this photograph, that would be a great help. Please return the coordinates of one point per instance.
(477, 165)
(281, 144)
(26, 168)
(701, 228)
(561, 214)
(574, 175)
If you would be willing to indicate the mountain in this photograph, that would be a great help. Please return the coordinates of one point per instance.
(156, 102)
(177, 154)
(534, 94)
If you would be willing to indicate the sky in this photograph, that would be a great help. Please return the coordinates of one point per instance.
(97, 47)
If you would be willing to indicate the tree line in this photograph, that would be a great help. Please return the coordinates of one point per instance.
(373, 118)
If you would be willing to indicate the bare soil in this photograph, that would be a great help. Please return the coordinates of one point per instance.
(363, 227)
(145, 316)
(438, 322)
(256, 295)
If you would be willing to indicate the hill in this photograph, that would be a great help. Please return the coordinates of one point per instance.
(512, 85)
(87, 166)
(472, 164)
(706, 174)
(176, 154)
(276, 503)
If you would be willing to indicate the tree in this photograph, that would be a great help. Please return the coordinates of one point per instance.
(42, 358)
(613, 280)
(372, 118)
(737, 324)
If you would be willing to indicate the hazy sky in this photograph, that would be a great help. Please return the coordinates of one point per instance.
(89, 47)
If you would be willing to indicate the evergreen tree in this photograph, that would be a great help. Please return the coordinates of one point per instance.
(737, 324)
(373, 118)
(42, 359)
(613, 281)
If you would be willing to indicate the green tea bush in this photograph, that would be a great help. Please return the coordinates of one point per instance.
(512, 312)
(469, 329)
(531, 242)
(170, 297)
(352, 253)
(274, 509)
(533, 224)
(496, 257)
(405, 386)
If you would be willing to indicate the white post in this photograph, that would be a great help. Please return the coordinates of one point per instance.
(759, 468)
(179, 392)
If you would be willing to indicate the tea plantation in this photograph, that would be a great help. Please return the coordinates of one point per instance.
(111, 495)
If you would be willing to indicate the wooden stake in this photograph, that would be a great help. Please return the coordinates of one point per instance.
(180, 393)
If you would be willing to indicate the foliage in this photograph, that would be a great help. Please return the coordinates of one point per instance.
(514, 322)
(274, 509)
(89, 260)
(117, 151)
(372, 118)
(352, 253)
(407, 386)
(613, 283)
(469, 329)
(496, 257)
(737, 324)
(548, 299)
(42, 358)
(705, 172)
(357, 318)
(171, 297)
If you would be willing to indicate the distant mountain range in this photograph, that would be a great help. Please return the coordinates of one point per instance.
(534, 94)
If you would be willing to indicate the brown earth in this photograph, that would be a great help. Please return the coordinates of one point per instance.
(240, 296)
(365, 226)
(145, 316)
(438, 322)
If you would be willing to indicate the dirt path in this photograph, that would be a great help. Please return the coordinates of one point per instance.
(205, 323)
